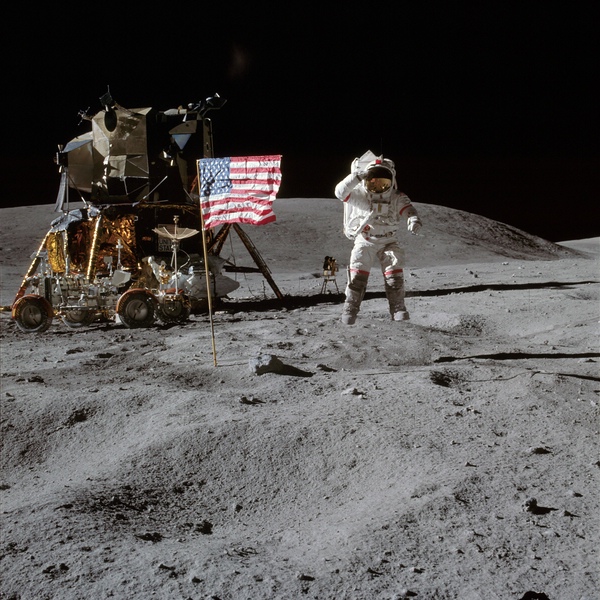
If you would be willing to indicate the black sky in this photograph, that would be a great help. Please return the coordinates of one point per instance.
(489, 107)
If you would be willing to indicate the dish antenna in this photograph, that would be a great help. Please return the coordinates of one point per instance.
(174, 233)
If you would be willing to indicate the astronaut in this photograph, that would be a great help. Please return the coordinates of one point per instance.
(373, 211)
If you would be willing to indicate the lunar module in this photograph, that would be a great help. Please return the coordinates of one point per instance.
(134, 249)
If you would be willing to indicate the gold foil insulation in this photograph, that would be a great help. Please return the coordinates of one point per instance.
(88, 242)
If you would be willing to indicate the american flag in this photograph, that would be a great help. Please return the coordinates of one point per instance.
(239, 189)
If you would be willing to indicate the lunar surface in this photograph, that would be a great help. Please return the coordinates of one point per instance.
(266, 451)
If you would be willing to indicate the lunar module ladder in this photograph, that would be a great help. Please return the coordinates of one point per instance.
(217, 245)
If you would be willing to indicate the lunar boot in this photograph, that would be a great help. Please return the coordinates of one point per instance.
(351, 306)
(355, 291)
(394, 291)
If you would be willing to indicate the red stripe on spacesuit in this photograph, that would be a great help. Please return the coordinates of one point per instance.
(346, 198)
(407, 206)
(359, 271)
(392, 271)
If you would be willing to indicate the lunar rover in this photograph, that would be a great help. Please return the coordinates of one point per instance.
(133, 251)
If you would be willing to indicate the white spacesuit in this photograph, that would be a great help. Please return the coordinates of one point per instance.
(373, 211)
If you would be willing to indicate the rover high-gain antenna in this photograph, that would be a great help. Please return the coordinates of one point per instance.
(175, 234)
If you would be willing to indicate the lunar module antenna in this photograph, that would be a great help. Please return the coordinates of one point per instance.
(211, 103)
(107, 100)
(83, 115)
(109, 103)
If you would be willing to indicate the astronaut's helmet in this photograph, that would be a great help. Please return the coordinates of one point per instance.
(381, 176)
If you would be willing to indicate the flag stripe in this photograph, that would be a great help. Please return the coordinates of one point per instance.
(239, 189)
(225, 204)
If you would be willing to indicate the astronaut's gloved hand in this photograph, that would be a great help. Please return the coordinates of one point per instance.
(361, 175)
(414, 224)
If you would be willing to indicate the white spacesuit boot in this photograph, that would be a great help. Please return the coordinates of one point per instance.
(394, 291)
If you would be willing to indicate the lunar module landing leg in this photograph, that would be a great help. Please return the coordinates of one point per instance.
(261, 266)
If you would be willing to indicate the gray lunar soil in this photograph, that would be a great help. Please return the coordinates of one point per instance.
(450, 457)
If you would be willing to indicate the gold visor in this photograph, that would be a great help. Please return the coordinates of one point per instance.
(378, 185)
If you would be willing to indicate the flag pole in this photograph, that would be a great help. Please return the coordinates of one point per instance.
(206, 269)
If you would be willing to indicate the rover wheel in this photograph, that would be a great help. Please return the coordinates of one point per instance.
(32, 314)
(136, 308)
(174, 309)
(78, 318)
